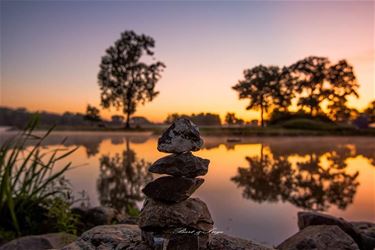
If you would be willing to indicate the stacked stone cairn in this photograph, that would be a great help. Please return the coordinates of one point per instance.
(170, 219)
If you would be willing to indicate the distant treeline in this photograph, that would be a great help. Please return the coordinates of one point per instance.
(21, 116)
(205, 119)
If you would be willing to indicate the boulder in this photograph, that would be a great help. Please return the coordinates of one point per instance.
(365, 228)
(172, 189)
(181, 136)
(176, 239)
(363, 241)
(191, 213)
(223, 241)
(39, 242)
(321, 237)
(108, 237)
(184, 164)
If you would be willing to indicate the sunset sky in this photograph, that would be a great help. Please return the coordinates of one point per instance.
(50, 51)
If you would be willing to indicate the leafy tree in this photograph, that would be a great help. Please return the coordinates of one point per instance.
(172, 117)
(125, 79)
(259, 86)
(310, 73)
(283, 91)
(343, 83)
(317, 80)
(231, 119)
(117, 119)
(370, 111)
(92, 114)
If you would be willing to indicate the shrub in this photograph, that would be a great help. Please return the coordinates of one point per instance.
(307, 124)
(278, 117)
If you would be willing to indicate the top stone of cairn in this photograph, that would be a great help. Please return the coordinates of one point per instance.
(182, 136)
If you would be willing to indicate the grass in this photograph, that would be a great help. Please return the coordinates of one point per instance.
(29, 183)
(293, 127)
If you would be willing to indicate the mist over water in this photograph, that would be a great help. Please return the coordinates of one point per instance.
(254, 187)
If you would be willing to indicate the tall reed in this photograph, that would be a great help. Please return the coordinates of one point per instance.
(28, 178)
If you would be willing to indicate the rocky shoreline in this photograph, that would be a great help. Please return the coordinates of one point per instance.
(318, 231)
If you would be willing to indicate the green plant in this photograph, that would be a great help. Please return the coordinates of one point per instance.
(59, 211)
(28, 180)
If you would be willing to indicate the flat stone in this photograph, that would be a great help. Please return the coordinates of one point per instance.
(185, 164)
(172, 189)
(191, 213)
(319, 238)
(39, 242)
(364, 242)
(176, 239)
(181, 136)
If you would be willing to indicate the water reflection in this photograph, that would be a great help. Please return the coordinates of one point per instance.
(305, 183)
(121, 179)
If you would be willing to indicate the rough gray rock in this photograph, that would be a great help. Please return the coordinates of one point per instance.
(223, 241)
(96, 216)
(172, 189)
(366, 228)
(319, 238)
(181, 136)
(176, 239)
(363, 241)
(116, 237)
(185, 164)
(109, 237)
(191, 213)
(39, 242)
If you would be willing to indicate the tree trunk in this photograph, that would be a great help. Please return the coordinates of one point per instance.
(127, 125)
(261, 116)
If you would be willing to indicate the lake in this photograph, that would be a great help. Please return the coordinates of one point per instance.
(254, 187)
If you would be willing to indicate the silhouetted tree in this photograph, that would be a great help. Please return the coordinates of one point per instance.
(343, 83)
(124, 78)
(172, 117)
(283, 91)
(117, 119)
(92, 114)
(231, 119)
(370, 111)
(316, 80)
(259, 86)
(203, 119)
(340, 112)
(311, 73)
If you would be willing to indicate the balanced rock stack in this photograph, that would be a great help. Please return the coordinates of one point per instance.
(169, 218)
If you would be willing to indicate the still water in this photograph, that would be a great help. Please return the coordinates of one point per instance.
(254, 187)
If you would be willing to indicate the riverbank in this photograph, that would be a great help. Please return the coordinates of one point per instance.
(231, 131)
(317, 231)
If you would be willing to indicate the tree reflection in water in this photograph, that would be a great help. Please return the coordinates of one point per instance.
(121, 179)
(305, 184)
